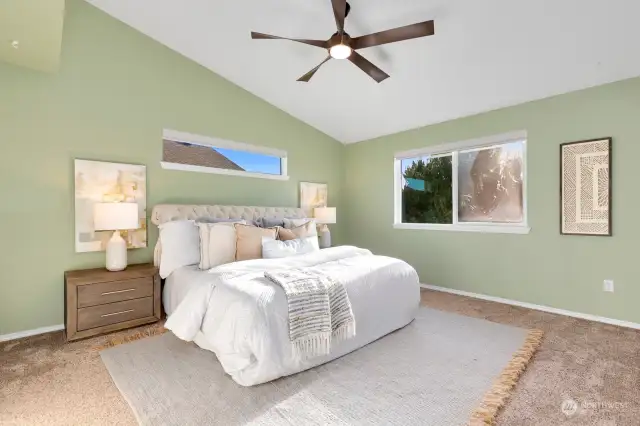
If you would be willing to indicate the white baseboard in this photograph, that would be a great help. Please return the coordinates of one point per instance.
(28, 333)
(542, 308)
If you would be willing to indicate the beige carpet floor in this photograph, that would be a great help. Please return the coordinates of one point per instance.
(46, 381)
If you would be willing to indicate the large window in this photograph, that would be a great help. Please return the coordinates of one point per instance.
(187, 152)
(477, 185)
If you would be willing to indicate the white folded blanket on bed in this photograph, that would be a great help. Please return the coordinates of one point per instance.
(319, 310)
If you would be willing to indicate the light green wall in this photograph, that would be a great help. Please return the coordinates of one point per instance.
(115, 92)
(37, 27)
(543, 267)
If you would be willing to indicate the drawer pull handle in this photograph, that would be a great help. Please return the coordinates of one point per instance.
(119, 291)
(117, 313)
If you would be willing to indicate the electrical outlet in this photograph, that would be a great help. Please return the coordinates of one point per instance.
(607, 285)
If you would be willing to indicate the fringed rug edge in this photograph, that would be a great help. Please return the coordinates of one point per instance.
(155, 330)
(504, 385)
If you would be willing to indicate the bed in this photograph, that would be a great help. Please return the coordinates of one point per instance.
(246, 323)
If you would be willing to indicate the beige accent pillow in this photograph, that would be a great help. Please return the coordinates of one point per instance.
(249, 241)
(217, 243)
(306, 230)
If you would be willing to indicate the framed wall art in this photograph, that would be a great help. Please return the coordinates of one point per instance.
(585, 187)
(97, 182)
(312, 195)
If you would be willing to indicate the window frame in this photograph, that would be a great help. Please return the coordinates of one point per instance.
(176, 136)
(454, 149)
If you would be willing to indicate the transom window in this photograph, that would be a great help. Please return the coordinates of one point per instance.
(477, 185)
(194, 153)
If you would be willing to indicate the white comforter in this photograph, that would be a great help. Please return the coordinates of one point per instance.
(245, 320)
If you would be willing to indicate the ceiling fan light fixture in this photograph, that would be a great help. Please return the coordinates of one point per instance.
(340, 51)
(342, 46)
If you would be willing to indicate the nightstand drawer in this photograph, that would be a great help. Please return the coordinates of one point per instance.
(115, 291)
(112, 313)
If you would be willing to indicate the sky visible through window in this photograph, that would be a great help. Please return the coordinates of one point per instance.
(252, 162)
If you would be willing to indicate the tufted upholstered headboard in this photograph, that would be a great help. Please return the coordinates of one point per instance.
(167, 212)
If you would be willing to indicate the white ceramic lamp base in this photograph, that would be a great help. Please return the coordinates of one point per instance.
(116, 253)
(325, 237)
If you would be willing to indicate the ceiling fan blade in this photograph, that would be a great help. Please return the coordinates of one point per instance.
(305, 78)
(340, 12)
(318, 43)
(374, 72)
(421, 29)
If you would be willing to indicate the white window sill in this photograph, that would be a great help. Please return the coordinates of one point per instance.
(213, 170)
(488, 229)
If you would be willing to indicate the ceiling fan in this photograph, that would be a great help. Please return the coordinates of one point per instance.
(341, 46)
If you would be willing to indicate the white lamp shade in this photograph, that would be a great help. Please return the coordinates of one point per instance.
(115, 216)
(325, 214)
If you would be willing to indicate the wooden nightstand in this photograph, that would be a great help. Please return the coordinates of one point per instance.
(99, 301)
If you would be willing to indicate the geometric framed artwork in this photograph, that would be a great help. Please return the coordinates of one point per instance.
(585, 187)
(99, 181)
(312, 195)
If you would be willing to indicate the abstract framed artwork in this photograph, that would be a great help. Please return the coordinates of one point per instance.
(585, 187)
(98, 181)
(312, 195)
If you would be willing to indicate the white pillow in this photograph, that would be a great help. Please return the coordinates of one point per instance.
(275, 249)
(217, 243)
(180, 243)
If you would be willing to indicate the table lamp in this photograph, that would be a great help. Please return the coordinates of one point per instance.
(116, 217)
(324, 216)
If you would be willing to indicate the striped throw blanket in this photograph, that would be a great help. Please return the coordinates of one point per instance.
(319, 310)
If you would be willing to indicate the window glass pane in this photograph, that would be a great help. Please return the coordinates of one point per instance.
(426, 190)
(490, 184)
(220, 158)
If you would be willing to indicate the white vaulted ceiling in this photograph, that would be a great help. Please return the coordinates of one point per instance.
(486, 54)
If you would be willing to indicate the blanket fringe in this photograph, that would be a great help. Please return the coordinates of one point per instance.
(154, 330)
(345, 331)
(312, 345)
(502, 388)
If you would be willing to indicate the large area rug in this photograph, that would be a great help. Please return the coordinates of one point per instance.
(442, 369)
